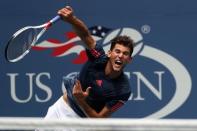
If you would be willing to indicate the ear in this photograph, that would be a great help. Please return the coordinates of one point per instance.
(109, 53)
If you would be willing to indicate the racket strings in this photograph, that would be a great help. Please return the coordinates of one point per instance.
(22, 41)
(20, 44)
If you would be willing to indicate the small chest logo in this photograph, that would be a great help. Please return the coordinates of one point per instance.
(99, 82)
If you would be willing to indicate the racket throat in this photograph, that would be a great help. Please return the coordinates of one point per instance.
(48, 25)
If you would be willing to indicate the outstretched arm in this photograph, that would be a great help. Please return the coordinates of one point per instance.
(80, 97)
(80, 28)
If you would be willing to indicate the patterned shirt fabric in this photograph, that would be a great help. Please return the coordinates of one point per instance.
(104, 90)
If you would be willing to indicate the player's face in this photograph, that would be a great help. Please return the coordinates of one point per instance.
(119, 56)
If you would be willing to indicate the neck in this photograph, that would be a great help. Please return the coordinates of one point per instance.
(110, 72)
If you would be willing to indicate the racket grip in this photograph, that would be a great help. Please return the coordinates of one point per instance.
(55, 19)
(52, 21)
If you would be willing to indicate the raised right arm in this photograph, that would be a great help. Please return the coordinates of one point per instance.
(79, 26)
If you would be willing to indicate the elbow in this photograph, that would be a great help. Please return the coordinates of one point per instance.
(97, 115)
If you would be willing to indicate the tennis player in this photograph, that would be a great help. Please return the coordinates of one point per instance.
(101, 87)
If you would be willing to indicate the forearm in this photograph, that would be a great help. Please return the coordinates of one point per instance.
(89, 111)
(79, 27)
(82, 31)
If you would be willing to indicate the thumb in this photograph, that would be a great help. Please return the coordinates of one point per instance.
(69, 8)
(87, 91)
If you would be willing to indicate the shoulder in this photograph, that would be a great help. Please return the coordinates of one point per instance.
(124, 83)
(124, 78)
(97, 53)
(97, 50)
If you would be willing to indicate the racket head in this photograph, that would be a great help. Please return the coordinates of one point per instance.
(20, 43)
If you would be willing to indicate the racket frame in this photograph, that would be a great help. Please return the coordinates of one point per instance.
(45, 28)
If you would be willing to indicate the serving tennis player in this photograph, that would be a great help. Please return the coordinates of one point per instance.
(101, 87)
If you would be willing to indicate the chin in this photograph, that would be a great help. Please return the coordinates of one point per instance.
(117, 69)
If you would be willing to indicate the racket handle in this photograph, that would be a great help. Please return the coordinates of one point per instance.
(52, 21)
(55, 19)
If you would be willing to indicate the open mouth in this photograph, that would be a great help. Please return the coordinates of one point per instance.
(118, 62)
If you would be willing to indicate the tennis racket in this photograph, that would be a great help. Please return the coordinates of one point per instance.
(21, 42)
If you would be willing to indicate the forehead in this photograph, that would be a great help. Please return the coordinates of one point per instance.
(121, 47)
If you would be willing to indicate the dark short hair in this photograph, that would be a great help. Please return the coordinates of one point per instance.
(123, 40)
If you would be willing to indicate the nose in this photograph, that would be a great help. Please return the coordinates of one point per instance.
(120, 55)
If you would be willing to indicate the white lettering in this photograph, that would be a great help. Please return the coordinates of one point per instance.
(153, 89)
(13, 87)
(43, 87)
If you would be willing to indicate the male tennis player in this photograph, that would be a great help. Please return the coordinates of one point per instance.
(101, 86)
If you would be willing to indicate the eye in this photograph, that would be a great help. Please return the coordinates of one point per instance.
(126, 53)
(117, 51)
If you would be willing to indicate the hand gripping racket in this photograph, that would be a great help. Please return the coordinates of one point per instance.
(21, 42)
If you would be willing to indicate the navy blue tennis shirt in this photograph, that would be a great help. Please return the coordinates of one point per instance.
(104, 90)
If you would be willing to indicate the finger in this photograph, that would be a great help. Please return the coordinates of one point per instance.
(74, 89)
(78, 82)
(87, 92)
(78, 85)
(59, 12)
(69, 8)
(62, 12)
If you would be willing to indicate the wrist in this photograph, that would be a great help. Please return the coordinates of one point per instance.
(72, 19)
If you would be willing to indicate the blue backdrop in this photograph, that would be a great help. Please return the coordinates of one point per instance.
(162, 74)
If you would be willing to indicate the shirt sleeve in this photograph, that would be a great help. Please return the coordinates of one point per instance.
(96, 53)
(114, 105)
